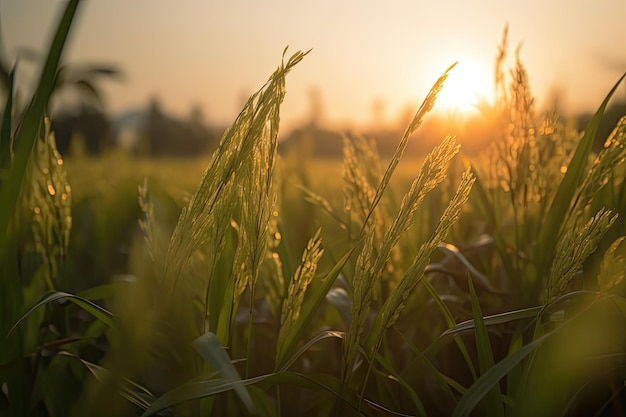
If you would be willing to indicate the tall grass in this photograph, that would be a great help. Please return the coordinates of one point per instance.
(34, 226)
(495, 289)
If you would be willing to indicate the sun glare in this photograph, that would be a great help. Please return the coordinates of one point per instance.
(467, 83)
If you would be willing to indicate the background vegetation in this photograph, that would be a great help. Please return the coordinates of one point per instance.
(269, 285)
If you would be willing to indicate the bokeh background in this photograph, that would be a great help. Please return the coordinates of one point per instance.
(371, 63)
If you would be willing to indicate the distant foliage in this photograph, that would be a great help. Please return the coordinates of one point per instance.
(89, 124)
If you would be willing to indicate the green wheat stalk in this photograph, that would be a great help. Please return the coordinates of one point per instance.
(360, 307)
(199, 217)
(574, 248)
(273, 280)
(370, 265)
(395, 303)
(361, 173)
(393, 306)
(416, 122)
(49, 200)
(297, 287)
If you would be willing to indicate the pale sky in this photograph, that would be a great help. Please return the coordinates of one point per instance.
(215, 53)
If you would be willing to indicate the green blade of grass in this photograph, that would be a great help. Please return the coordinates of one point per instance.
(198, 389)
(27, 134)
(264, 404)
(332, 385)
(493, 375)
(99, 292)
(493, 404)
(94, 309)
(556, 217)
(515, 376)
(483, 280)
(489, 214)
(307, 346)
(212, 351)
(489, 379)
(450, 323)
(417, 402)
(130, 390)
(506, 317)
(423, 361)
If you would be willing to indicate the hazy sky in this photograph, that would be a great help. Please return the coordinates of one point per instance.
(215, 53)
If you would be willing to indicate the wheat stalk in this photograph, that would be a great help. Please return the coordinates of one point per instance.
(574, 248)
(297, 287)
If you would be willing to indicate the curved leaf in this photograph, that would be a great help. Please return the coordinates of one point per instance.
(94, 309)
(506, 317)
(449, 318)
(485, 355)
(130, 390)
(417, 402)
(307, 345)
(488, 210)
(212, 351)
(198, 389)
(331, 384)
(489, 379)
(481, 279)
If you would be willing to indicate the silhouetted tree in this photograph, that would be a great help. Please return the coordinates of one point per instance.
(88, 122)
(313, 141)
(166, 135)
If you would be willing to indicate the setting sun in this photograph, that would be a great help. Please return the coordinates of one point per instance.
(467, 84)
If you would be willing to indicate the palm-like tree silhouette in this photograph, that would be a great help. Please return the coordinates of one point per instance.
(83, 78)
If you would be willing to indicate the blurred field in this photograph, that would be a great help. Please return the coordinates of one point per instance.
(105, 198)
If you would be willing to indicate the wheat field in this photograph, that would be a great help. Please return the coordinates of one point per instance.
(248, 283)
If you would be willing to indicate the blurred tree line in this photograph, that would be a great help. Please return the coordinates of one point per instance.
(81, 122)
(474, 133)
(157, 134)
(314, 138)
(88, 124)
(150, 132)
